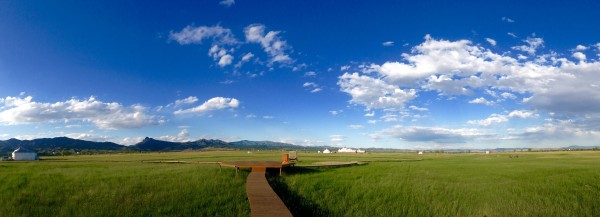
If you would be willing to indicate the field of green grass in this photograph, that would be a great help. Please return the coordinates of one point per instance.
(390, 184)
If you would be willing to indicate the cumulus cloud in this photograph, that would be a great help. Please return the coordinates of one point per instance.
(548, 82)
(374, 93)
(581, 48)
(580, 56)
(216, 103)
(491, 41)
(17, 110)
(221, 54)
(270, 41)
(532, 45)
(388, 44)
(195, 35)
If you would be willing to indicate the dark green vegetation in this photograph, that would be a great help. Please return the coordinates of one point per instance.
(391, 184)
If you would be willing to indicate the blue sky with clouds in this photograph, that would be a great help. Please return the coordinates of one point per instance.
(392, 74)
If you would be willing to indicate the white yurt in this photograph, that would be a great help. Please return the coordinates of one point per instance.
(24, 154)
(326, 151)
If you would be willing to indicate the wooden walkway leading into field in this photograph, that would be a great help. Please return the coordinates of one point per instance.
(263, 200)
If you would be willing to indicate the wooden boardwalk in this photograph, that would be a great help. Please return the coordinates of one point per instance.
(263, 200)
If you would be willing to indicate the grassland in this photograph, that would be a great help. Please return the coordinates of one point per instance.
(391, 184)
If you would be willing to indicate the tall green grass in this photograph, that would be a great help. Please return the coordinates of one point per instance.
(391, 184)
(120, 189)
(539, 184)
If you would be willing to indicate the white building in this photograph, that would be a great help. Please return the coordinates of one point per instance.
(326, 151)
(346, 150)
(24, 154)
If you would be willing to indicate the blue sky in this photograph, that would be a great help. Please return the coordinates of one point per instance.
(391, 74)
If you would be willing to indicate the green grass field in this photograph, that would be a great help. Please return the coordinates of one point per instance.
(390, 184)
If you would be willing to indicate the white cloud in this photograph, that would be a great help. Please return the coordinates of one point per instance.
(270, 41)
(215, 103)
(491, 41)
(310, 74)
(417, 108)
(374, 93)
(389, 117)
(315, 88)
(431, 134)
(370, 114)
(493, 119)
(344, 68)
(508, 20)
(507, 95)
(183, 133)
(496, 118)
(481, 100)
(131, 140)
(337, 138)
(251, 116)
(580, 56)
(532, 45)
(221, 54)
(522, 114)
(189, 100)
(512, 35)
(318, 89)
(547, 82)
(195, 35)
(388, 43)
(88, 137)
(227, 3)
(247, 56)
(17, 110)
(268, 117)
(225, 60)
(355, 126)
(336, 112)
(581, 48)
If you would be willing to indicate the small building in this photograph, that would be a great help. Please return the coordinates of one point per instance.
(24, 154)
(420, 152)
(346, 150)
(326, 151)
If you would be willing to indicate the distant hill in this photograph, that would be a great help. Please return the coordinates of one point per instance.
(149, 144)
(58, 143)
(264, 144)
(47, 146)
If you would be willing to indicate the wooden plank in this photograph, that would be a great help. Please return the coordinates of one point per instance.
(263, 200)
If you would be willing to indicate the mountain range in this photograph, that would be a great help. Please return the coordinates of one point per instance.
(60, 144)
